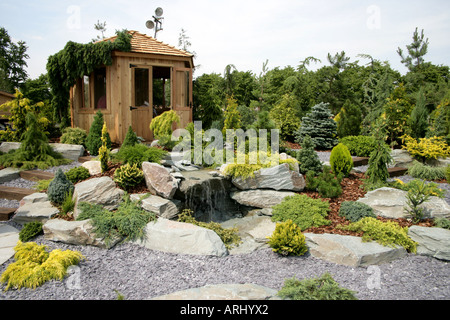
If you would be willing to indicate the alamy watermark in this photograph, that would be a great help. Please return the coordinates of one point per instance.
(373, 22)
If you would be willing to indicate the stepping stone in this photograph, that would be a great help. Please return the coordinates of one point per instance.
(397, 171)
(35, 207)
(9, 174)
(12, 193)
(360, 161)
(351, 251)
(36, 175)
(8, 240)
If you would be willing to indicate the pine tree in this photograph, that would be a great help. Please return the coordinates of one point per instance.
(130, 138)
(320, 126)
(416, 51)
(349, 123)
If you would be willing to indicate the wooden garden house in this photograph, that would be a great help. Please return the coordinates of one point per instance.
(140, 84)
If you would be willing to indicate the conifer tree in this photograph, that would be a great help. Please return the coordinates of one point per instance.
(130, 138)
(308, 159)
(232, 116)
(349, 123)
(320, 126)
(93, 140)
(419, 117)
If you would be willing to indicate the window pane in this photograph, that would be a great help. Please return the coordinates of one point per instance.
(161, 90)
(100, 88)
(86, 101)
(141, 94)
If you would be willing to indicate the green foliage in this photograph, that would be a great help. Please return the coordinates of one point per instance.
(308, 158)
(30, 230)
(74, 136)
(103, 151)
(447, 173)
(340, 160)
(426, 148)
(42, 185)
(419, 116)
(128, 221)
(94, 138)
(359, 146)
(232, 116)
(325, 183)
(285, 117)
(322, 288)
(355, 211)
(130, 138)
(417, 195)
(77, 174)
(228, 236)
(422, 171)
(140, 153)
(288, 239)
(349, 123)
(35, 266)
(68, 204)
(442, 223)
(34, 150)
(304, 211)
(76, 60)
(379, 160)
(128, 176)
(59, 188)
(385, 233)
(162, 124)
(320, 126)
(431, 189)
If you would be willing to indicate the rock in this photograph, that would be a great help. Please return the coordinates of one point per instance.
(34, 198)
(391, 203)
(93, 166)
(163, 208)
(260, 198)
(39, 210)
(101, 191)
(8, 240)
(182, 238)
(276, 178)
(401, 158)
(434, 242)
(285, 156)
(245, 291)
(8, 174)
(5, 147)
(155, 143)
(350, 251)
(69, 151)
(159, 181)
(74, 232)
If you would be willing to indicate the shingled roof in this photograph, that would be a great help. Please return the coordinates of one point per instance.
(142, 43)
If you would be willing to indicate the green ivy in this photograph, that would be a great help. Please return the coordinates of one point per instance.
(75, 61)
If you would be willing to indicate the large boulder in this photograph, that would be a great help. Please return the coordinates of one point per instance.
(94, 167)
(182, 238)
(260, 198)
(162, 207)
(246, 291)
(434, 242)
(276, 178)
(68, 151)
(74, 232)
(159, 181)
(101, 191)
(391, 203)
(350, 251)
(401, 158)
(35, 207)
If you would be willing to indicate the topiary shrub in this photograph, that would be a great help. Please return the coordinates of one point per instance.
(355, 211)
(340, 160)
(93, 140)
(59, 188)
(288, 239)
(385, 233)
(304, 211)
(128, 176)
(77, 174)
(30, 230)
(322, 288)
(74, 136)
(359, 146)
(35, 266)
(308, 158)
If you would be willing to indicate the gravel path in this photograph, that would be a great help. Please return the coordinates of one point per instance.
(139, 273)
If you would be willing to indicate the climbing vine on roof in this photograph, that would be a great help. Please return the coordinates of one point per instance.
(75, 61)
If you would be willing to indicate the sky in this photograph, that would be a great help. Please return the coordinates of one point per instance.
(244, 33)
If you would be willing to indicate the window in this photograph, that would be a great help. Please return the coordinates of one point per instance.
(161, 89)
(141, 87)
(85, 85)
(100, 88)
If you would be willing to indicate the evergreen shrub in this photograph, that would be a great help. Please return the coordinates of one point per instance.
(355, 211)
(140, 153)
(308, 158)
(59, 188)
(359, 146)
(442, 223)
(340, 160)
(30, 230)
(304, 211)
(130, 138)
(419, 170)
(128, 176)
(74, 136)
(162, 124)
(93, 140)
(326, 183)
(288, 239)
(77, 174)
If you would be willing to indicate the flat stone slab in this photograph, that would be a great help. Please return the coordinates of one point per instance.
(182, 238)
(434, 242)
(38, 211)
(351, 251)
(68, 151)
(260, 198)
(8, 174)
(8, 240)
(245, 291)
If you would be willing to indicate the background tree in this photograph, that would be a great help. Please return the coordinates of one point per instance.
(232, 116)
(285, 118)
(349, 123)
(419, 117)
(100, 26)
(416, 51)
